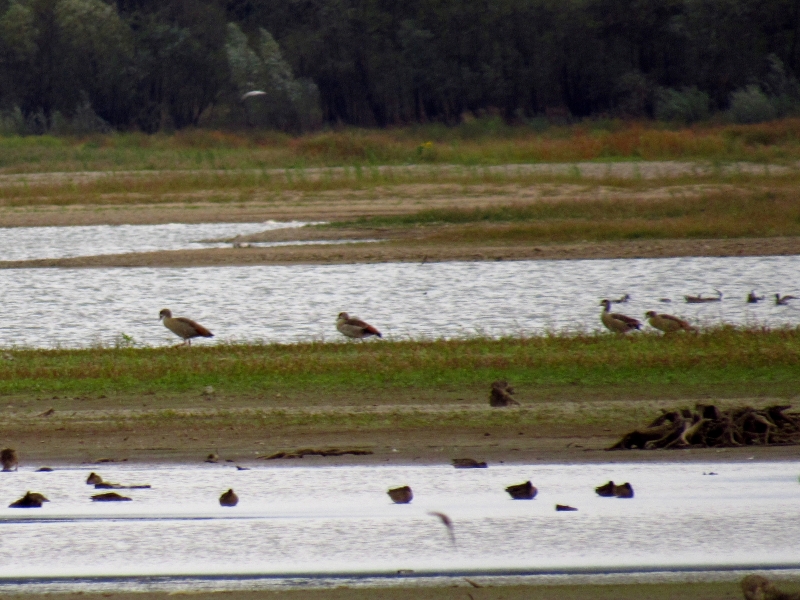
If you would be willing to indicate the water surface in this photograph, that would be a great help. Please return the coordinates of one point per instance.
(306, 523)
(80, 307)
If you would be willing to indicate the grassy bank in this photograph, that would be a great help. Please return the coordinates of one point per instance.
(727, 361)
(481, 142)
(731, 214)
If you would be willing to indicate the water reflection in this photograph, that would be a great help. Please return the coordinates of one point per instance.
(79, 307)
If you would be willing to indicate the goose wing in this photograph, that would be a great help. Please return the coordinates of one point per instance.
(202, 331)
(627, 320)
(363, 325)
(676, 320)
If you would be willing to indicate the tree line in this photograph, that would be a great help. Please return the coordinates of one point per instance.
(154, 64)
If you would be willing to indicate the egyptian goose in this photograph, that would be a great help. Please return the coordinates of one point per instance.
(355, 328)
(752, 298)
(667, 323)
(183, 327)
(229, 498)
(616, 322)
(783, 300)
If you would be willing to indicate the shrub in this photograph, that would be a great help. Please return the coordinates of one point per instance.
(688, 105)
(751, 105)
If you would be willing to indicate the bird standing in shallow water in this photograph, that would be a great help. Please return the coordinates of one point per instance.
(616, 322)
(355, 328)
(183, 327)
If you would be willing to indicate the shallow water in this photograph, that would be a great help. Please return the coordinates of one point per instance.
(306, 523)
(31, 243)
(80, 307)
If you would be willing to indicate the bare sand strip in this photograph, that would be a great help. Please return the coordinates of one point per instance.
(590, 170)
(410, 251)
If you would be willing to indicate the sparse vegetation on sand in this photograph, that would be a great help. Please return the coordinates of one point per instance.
(776, 141)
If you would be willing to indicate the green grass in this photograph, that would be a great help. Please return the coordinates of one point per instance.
(725, 360)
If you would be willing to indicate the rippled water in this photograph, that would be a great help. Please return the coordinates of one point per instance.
(30, 243)
(308, 522)
(78, 307)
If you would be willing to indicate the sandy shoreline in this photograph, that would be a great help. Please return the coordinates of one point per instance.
(408, 251)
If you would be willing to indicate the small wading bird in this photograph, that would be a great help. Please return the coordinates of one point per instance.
(783, 300)
(616, 322)
(667, 323)
(183, 327)
(355, 328)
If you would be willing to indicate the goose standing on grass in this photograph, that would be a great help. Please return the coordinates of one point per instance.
(616, 322)
(355, 328)
(783, 300)
(183, 327)
(667, 323)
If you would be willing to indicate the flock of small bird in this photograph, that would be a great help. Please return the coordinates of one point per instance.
(619, 323)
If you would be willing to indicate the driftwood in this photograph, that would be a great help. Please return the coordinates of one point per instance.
(468, 463)
(501, 394)
(756, 587)
(709, 427)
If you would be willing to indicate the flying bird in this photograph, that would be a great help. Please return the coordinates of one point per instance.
(447, 522)
(252, 94)
(355, 328)
(183, 327)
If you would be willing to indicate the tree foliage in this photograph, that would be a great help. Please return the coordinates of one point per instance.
(151, 64)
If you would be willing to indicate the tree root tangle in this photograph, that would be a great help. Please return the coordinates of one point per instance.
(709, 427)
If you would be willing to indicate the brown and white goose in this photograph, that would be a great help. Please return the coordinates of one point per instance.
(667, 323)
(616, 322)
(355, 328)
(183, 327)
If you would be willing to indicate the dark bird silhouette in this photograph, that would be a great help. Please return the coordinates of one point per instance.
(401, 495)
(752, 298)
(621, 299)
(229, 498)
(29, 500)
(779, 301)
